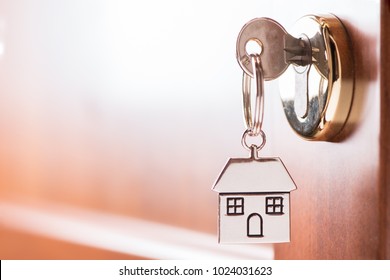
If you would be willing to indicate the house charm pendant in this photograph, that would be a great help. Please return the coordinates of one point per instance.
(254, 200)
(254, 192)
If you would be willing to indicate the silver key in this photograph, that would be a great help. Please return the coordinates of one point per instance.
(270, 35)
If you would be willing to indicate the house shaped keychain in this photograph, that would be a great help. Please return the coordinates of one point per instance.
(254, 201)
(254, 192)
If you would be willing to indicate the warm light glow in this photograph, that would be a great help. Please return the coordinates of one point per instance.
(122, 106)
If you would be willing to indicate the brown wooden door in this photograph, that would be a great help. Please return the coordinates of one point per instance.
(340, 210)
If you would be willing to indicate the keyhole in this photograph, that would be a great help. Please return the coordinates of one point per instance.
(301, 102)
(253, 46)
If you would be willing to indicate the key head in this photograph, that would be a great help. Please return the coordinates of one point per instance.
(270, 36)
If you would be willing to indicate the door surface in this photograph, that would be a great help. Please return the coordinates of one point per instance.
(340, 210)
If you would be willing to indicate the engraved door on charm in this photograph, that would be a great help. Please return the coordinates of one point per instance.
(254, 225)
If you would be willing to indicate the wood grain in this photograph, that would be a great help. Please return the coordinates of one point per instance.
(384, 202)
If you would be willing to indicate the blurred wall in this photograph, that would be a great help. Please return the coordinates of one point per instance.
(125, 107)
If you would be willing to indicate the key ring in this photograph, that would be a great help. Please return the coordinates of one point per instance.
(253, 147)
(254, 124)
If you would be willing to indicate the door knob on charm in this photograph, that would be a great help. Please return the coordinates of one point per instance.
(315, 68)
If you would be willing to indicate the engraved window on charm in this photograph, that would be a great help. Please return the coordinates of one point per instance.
(235, 206)
(274, 205)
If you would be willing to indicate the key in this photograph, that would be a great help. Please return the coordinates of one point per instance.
(269, 35)
(277, 48)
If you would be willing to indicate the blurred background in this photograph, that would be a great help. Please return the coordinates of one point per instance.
(116, 117)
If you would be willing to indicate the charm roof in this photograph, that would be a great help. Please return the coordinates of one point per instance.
(254, 176)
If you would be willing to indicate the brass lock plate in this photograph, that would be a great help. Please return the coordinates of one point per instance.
(317, 98)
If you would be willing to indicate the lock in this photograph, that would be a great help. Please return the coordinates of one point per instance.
(314, 66)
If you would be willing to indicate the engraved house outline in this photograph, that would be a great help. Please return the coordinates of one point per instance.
(254, 201)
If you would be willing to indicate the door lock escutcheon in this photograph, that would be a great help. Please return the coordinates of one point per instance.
(314, 66)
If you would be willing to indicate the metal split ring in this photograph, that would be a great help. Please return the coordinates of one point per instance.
(254, 124)
(257, 147)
